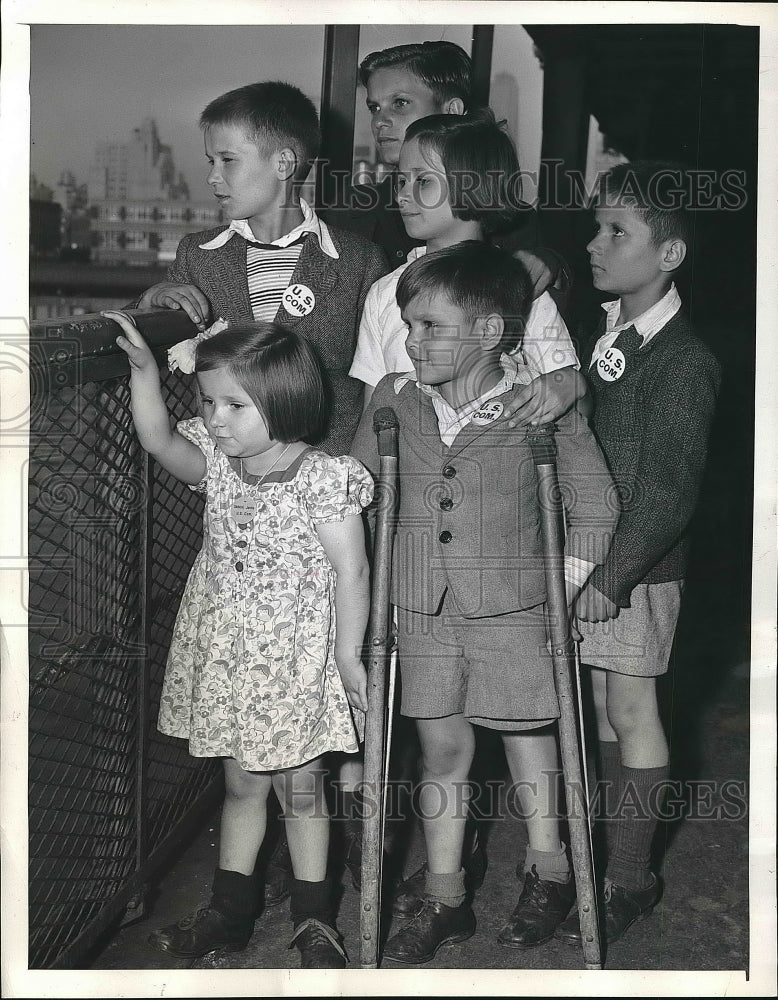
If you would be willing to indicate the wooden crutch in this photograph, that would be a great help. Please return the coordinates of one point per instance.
(543, 445)
(376, 724)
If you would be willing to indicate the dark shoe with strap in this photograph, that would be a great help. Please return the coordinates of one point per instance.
(619, 910)
(319, 945)
(433, 926)
(410, 893)
(201, 932)
(542, 907)
(279, 874)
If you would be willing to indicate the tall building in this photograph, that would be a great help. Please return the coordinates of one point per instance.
(137, 170)
(139, 207)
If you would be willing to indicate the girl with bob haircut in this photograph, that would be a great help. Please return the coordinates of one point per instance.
(481, 165)
(280, 371)
(264, 669)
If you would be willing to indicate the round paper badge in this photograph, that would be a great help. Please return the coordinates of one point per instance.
(612, 365)
(243, 510)
(298, 300)
(488, 412)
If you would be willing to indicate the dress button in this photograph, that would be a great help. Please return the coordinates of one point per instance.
(399, 253)
(446, 503)
(445, 537)
(449, 472)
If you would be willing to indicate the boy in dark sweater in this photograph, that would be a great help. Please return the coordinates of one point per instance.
(654, 385)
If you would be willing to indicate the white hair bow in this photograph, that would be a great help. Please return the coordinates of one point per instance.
(182, 355)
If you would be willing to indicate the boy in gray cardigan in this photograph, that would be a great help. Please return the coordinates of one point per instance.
(276, 260)
(468, 580)
(654, 385)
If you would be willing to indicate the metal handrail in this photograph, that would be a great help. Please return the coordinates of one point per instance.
(111, 540)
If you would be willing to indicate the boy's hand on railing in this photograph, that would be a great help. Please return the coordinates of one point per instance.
(594, 606)
(171, 295)
(354, 677)
(131, 342)
(546, 398)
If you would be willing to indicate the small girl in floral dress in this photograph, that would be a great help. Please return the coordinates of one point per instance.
(257, 673)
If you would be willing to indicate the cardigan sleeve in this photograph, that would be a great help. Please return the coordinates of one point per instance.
(678, 408)
(179, 269)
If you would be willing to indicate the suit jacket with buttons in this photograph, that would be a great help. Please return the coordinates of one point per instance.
(339, 286)
(468, 516)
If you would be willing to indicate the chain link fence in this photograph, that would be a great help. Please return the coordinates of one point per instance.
(111, 540)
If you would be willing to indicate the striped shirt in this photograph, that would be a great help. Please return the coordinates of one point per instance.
(269, 266)
(269, 271)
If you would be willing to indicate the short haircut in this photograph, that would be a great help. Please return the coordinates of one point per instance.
(478, 278)
(481, 165)
(442, 66)
(657, 191)
(272, 114)
(279, 370)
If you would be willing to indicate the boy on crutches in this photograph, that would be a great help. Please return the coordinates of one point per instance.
(468, 578)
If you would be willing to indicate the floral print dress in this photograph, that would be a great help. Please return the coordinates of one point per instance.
(251, 671)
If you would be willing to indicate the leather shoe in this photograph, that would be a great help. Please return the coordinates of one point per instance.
(410, 893)
(433, 926)
(542, 907)
(278, 874)
(620, 909)
(201, 932)
(319, 945)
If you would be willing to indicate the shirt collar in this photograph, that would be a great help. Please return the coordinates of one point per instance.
(514, 373)
(451, 421)
(311, 224)
(649, 322)
(414, 253)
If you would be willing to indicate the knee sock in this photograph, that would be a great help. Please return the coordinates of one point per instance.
(551, 866)
(610, 790)
(448, 888)
(630, 863)
(311, 900)
(234, 895)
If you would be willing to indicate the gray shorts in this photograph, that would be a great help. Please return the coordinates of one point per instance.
(496, 671)
(639, 641)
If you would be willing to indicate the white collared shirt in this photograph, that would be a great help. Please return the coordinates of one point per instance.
(451, 420)
(311, 224)
(648, 323)
(546, 345)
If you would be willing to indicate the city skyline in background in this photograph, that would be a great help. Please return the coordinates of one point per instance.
(95, 84)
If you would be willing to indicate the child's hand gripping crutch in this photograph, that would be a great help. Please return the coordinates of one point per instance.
(378, 727)
(571, 736)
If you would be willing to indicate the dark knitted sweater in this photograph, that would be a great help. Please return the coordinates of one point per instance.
(653, 426)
